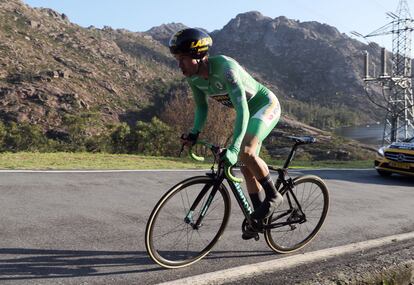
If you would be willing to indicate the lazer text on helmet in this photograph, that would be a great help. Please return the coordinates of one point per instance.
(201, 43)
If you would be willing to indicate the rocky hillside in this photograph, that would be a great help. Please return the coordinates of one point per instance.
(51, 68)
(163, 33)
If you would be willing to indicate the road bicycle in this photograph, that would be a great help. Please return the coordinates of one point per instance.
(191, 217)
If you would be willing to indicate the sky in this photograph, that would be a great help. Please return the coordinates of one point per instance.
(363, 16)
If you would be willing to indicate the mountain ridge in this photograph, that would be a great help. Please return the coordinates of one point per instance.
(307, 61)
(52, 68)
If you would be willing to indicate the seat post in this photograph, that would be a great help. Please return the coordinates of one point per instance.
(291, 155)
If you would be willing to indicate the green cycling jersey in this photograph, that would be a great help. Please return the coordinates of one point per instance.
(231, 85)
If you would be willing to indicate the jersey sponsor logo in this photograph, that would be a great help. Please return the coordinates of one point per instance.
(231, 76)
(219, 85)
(270, 117)
(223, 99)
(269, 113)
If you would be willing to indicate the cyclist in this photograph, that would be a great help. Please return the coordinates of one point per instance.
(257, 112)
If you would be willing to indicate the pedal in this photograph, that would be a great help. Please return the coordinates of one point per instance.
(248, 232)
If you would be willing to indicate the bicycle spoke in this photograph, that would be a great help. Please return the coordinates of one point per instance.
(189, 241)
(172, 215)
(314, 199)
(183, 203)
(169, 232)
(315, 217)
(177, 239)
(210, 219)
(313, 209)
(210, 210)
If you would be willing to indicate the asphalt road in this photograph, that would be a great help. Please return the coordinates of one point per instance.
(88, 228)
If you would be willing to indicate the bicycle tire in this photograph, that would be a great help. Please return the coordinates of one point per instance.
(282, 240)
(166, 214)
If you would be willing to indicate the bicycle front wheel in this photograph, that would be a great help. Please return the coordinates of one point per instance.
(172, 237)
(307, 203)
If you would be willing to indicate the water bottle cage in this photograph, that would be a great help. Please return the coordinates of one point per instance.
(289, 183)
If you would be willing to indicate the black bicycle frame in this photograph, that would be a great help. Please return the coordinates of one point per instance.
(189, 217)
(247, 210)
(241, 199)
(218, 180)
(219, 177)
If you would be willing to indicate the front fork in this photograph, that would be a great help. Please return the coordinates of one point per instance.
(189, 217)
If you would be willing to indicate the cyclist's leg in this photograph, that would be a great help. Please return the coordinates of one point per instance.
(260, 125)
(254, 166)
(254, 189)
(265, 114)
(256, 194)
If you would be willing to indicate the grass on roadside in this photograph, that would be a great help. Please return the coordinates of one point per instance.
(65, 160)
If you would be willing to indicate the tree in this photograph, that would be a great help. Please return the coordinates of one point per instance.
(24, 137)
(178, 113)
(156, 138)
(3, 134)
(120, 138)
(79, 128)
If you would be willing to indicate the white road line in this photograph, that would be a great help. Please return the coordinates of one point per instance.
(102, 171)
(241, 272)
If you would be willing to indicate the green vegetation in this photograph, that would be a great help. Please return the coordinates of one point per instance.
(85, 132)
(322, 117)
(86, 160)
(148, 138)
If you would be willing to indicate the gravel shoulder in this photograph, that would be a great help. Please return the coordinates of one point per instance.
(392, 264)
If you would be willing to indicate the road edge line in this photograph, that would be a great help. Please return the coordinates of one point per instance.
(100, 171)
(244, 271)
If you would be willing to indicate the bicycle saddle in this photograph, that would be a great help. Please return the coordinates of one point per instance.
(303, 139)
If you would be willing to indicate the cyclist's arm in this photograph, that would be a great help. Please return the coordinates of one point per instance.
(238, 98)
(201, 110)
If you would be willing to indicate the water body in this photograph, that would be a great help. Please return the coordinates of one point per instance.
(368, 134)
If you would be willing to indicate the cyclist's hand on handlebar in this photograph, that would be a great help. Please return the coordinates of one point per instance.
(189, 139)
(229, 156)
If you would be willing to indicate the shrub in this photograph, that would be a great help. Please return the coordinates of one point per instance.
(24, 137)
(156, 138)
(120, 139)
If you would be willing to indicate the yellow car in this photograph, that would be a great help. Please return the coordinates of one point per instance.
(397, 157)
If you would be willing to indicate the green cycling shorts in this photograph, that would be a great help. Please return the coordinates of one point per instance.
(265, 112)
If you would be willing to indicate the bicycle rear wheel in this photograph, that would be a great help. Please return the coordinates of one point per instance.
(171, 238)
(312, 198)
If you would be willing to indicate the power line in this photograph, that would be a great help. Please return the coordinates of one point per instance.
(399, 119)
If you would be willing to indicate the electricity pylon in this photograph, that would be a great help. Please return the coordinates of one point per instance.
(396, 87)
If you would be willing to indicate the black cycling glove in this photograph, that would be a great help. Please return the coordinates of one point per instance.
(191, 137)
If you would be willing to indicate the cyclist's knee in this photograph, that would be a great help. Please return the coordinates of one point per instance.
(245, 170)
(247, 155)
